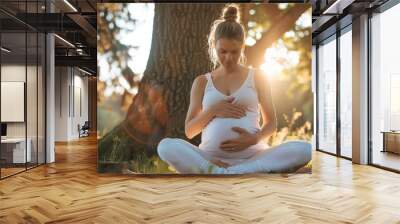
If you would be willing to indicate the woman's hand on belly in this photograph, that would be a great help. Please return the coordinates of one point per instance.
(240, 143)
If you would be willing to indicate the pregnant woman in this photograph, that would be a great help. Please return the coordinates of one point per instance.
(225, 107)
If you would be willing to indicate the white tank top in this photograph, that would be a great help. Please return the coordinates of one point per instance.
(219, 130)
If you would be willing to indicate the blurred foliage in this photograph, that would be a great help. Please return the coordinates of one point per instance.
(113, 21)
(292, 129)
(294, 82)
(299, 77)
(110, 19)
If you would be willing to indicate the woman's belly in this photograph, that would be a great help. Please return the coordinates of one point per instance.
(220, 130)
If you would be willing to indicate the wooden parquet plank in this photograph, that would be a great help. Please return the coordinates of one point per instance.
(71, 191)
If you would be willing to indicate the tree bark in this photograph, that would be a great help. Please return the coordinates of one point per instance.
(178, 54)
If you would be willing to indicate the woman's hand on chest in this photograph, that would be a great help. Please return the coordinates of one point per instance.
(227, 109)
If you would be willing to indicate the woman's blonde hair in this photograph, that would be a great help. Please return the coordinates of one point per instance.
(227, 26)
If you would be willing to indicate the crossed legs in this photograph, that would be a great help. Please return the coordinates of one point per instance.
(188, 158)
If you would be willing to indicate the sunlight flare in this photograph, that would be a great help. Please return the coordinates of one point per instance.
(278, 58)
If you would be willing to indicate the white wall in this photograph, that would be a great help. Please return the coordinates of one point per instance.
(10, 73)
(33, 127)
(61, 103)
(71, 94)
(16, 73)
(13, 100)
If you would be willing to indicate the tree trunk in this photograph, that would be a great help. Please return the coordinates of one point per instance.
(178, 54)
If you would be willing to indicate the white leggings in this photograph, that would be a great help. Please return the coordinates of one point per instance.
(188, 159)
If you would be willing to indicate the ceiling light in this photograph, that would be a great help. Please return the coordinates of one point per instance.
(70, 5)
(65, 41)
(79, 51)
(5, 50)
(84, 71)
(331, 7)
(337, 7)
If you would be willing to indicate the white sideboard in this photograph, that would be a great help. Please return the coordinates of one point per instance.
(18, 144)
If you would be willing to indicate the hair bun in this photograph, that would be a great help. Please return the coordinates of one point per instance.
(230, 13)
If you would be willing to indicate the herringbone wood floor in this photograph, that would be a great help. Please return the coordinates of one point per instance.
(70, 191)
